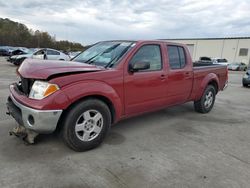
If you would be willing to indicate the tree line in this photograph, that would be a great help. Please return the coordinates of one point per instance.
(17, 34)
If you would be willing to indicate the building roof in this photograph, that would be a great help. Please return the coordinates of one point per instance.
(219, 38)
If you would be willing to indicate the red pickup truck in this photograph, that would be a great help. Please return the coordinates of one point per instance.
(108, 82)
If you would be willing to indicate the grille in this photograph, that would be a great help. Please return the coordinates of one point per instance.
(26, 85)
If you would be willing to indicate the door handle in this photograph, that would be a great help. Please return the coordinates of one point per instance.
(163, 77)
(187, 75)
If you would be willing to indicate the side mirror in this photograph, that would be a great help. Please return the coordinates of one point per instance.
(140, 65)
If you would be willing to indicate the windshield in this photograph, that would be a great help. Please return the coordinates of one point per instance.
(105, 54)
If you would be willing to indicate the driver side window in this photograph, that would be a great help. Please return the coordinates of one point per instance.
(40, 52)
(150, 53)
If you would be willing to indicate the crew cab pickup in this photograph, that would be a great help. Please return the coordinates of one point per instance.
(108, 82)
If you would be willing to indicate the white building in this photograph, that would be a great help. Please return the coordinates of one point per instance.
(233, 49)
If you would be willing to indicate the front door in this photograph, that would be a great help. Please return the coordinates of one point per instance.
(145, 90)
(39, 54)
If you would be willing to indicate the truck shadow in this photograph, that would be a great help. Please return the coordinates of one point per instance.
(48, 146)
(118, 132)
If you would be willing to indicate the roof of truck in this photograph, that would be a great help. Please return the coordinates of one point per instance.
(142, 41)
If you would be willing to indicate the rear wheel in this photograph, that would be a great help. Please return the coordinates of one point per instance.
(86, 125)
(206, 103)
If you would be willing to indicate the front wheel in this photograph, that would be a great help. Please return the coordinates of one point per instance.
(86, 125)
(206, 103)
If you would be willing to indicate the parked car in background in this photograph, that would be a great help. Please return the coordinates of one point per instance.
(246, 79)
(220, 61)
(18, 51)
(19, 58)
(45, 53)
(237, 66)
(73, 54)
(205, 60)
(5, 50)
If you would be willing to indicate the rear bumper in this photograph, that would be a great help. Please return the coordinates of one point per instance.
(40, 121)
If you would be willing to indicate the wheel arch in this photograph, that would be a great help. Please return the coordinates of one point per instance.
(102, 98)
(210, 79)
(214, 84)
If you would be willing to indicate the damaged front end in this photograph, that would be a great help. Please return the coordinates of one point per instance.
(31, 122)
(26, 135)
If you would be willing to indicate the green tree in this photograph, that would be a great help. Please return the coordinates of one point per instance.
(17, 34)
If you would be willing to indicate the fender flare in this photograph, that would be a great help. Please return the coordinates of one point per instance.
(211, 77)
(88, 88)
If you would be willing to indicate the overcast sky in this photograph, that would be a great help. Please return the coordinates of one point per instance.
(89, 21)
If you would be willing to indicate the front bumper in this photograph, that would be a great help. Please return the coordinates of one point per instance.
(40, 121)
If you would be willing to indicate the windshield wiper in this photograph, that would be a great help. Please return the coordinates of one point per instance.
(90, 59)
(109, 64)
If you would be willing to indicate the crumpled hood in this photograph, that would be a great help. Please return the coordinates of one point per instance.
(21, 56)
(43, 69)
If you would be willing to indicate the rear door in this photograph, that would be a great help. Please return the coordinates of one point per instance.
(53, 55)
(145, 90)
(180, 75)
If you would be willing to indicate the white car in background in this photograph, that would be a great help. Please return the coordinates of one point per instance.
(73, 54)
(220, 61)
(44, 53)
(237, 66)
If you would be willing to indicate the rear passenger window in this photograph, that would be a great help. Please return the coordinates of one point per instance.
(177, 58)
(52, 52)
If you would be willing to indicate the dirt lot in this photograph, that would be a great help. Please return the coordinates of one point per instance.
(175, 147)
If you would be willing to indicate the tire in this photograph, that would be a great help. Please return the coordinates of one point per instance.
(206, 102)
(19, 61)
(244, 85)
(86, 124)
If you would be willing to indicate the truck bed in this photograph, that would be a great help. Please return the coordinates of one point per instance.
(202, 71)
(203, 64)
